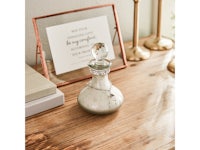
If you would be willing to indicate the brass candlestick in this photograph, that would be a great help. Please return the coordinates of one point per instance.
(136, 53)
(159, 43)
(171, 65)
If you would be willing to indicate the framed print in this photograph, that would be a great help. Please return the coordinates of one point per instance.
(70, 43)
(64, 42)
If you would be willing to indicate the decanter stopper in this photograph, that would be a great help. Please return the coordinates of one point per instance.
(99, 51)
(99, 65)
(100, 96)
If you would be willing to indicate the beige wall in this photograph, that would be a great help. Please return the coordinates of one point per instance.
(124, 8)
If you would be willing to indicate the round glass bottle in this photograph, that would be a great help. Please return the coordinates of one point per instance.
(100, 96)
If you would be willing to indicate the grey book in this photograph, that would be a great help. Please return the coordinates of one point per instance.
(36, 85)
(44, 103)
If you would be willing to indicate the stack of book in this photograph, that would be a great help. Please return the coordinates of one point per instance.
(40, 93)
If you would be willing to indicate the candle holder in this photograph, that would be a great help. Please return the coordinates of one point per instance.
(171, 65)
(135, 52)
(159, 43)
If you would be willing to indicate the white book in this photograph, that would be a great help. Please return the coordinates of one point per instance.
(36, 85)
(44, 103)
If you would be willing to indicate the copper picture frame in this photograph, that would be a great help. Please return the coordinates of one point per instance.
(42, 46)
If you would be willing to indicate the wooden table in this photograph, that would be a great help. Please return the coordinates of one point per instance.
(145, 120)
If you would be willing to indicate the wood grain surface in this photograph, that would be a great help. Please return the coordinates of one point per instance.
(145, 120)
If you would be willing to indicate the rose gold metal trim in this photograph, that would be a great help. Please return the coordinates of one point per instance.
(81, 79)
(75, 10)
(39, 49)
(119, 35)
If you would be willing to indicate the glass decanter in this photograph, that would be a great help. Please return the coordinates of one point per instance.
(100, 96)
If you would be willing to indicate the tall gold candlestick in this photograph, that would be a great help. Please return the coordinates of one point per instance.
(159, 43)
(136, 53)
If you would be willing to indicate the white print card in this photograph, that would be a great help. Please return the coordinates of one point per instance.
(71, 43)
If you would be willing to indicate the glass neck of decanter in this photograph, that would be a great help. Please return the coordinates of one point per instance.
(100, 82)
